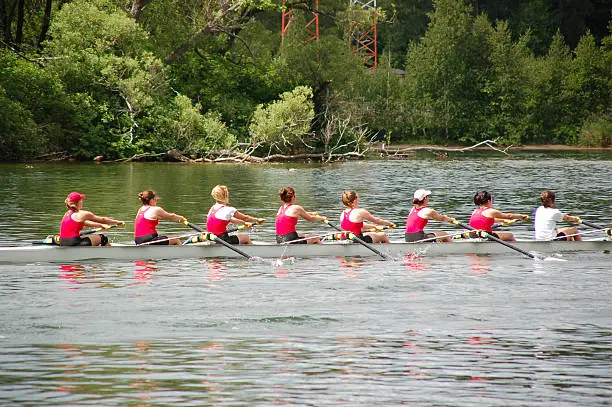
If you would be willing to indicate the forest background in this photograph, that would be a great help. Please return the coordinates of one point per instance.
(211, 78)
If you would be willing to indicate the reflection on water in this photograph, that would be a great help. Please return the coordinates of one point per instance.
(341, 331)
(425, 367)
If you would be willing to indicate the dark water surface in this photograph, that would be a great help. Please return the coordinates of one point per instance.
(499, 330)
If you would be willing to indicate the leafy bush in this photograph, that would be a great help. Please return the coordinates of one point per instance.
(283, 124)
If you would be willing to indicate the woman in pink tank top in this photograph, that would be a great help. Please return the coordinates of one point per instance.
(287, 218)
(419, 216)
(484, 216)
(353, 217)
(76, 218)
(147, 218)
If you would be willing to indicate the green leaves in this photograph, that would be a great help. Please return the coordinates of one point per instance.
(284, 123)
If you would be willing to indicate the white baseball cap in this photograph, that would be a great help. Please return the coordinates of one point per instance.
(420, 194)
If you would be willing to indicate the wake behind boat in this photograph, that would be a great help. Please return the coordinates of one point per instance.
(120, 252)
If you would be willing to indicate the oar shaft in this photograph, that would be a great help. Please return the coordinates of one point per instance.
(591, 225)
(358, 240)
(216, 239)
(495, 239)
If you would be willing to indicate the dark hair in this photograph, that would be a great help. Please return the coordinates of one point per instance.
(415, 201)
(348, 197)
(146, 196)
(482, 197)
(286, 194)
(548, 198)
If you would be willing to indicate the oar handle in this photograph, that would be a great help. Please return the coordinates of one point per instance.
(382, 228)
(356, 238)
(215, 238)
(495, 239)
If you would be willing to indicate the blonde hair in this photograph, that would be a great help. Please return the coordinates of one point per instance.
(73, 206)
(348, 197)
(220, 193)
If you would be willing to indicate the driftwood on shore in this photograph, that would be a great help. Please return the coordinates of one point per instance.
(238, 155)
(438, 150)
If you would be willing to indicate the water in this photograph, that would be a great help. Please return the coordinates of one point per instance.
(499, 330)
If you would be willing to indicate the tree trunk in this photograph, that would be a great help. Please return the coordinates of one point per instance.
(137, 8)
(19, 33)
(5, 23)
(46, 21)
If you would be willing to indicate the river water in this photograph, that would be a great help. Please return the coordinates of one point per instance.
(500, 330)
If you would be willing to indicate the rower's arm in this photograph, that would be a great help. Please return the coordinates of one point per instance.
(569, 218)
(439, 217)
(309, 216)
(99, 221)
(379, 221)
(239, 216)
(494, 213)
(162, 214)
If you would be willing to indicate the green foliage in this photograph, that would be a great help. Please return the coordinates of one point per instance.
(596, 132)
(20, 136)
(284, 123)
(199, 76)
(184, 128)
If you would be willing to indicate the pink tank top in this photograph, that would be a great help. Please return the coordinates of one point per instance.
(414, 223)
(144, 226)
(480, 222)
(285, 224)
(215, 225)
(69, 227)
(348, 225)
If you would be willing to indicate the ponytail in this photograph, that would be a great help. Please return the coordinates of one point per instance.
(146, 196)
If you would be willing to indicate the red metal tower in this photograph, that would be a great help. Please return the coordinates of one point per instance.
(310, 31)
(362, 31)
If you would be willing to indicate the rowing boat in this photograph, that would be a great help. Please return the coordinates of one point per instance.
(57, 254)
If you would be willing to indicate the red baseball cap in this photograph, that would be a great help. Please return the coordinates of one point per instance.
(75, 197)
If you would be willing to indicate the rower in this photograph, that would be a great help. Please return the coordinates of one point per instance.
(352, 220)
(546, 218)
(147, 218)
(287, 218)
(484, 216)
(76, 218)
(221, 214)
(419, 216)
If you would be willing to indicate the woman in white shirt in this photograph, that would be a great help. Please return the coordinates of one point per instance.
(221, 214)
(546, 218)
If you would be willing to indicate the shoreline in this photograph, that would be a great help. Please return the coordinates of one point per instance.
(536, 147)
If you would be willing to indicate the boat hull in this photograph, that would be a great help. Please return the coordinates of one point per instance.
(56, 254)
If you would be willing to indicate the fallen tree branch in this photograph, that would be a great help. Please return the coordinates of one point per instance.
(402, 151)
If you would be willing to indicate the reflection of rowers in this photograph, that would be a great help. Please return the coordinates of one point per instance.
(353, 217)
(76, 218)
(546, 218)
(148, 217)
(485, 216)
(419, 216)
(221, 214)
(287, 218)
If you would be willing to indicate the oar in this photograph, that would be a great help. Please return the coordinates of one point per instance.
(589, 224)
(216, 239)
(100, 229)
(495, 239)
(607, 231)
(380, 229)
(357, 239)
